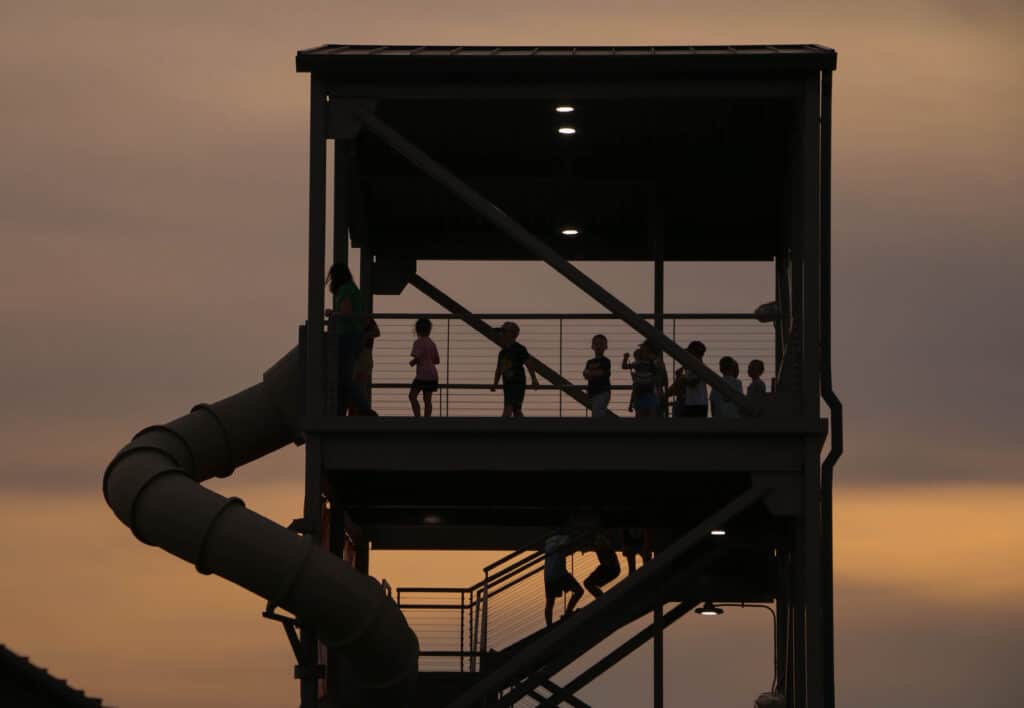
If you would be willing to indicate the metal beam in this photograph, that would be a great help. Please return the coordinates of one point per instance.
(514, 230)
(442, 299)
(725, 88)
(659, 656)
(564, 697)
(617, 655)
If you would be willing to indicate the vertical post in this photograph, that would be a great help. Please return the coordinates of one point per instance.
(657, 237)
(472, 633)
(782, 638)
(560, 367)
(342, 196)
(811, 569)
(810, 238)
(797, 696)
(659, 656)
(309, 667)
(462, 629)
(484, 622)
(448, 367)
(317, 227)
(366, 288)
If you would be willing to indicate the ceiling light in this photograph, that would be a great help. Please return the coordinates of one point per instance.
(567, 130)
(570, 232)
(565, 109)
(708, 609)
(718, 532)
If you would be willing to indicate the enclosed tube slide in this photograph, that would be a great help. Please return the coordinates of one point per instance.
(152, 486)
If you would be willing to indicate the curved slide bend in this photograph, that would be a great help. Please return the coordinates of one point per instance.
(152, 486)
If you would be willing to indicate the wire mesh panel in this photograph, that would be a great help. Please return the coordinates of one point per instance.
(563, 343)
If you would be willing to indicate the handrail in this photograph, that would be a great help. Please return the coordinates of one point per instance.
(499, 577)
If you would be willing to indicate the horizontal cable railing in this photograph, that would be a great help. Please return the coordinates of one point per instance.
(562, 342)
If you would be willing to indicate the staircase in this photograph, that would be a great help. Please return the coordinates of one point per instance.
(495, 672)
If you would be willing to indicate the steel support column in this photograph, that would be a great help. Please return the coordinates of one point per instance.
(308, 670)
(810, 372)
(541, 250)
(659, 657)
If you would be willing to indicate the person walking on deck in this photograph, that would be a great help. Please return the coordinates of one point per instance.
(425, 358)
(347, 308)
(722, 407)
(755, 370)
(598, 373)
(691, 392)
(645, 399)
(513, 360)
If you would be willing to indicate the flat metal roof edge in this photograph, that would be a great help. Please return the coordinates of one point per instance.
(397, 59)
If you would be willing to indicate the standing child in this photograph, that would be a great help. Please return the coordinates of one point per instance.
(425, 358)
(721, 407)
(755, 370)
(644, 401)
(598, 373)
(512, 359)
(691, 391)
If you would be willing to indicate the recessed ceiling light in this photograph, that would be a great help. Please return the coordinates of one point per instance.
(570, 231)
(718, 532)
(567, 130)
(565, 109)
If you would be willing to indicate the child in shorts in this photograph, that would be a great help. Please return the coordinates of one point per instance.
(513, 360)
(425, 358)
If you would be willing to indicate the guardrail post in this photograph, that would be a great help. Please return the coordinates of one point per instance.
(483, 627)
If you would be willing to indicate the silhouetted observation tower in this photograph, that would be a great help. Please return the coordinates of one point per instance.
(559, 155)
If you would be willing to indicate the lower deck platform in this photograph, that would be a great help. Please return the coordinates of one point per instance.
(497, 484)
(485, 445)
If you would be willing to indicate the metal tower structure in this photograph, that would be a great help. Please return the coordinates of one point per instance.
(654, 154)
(555, 155)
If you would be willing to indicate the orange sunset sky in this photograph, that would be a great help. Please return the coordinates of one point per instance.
(153, 217)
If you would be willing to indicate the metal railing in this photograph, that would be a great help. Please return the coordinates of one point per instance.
(562, 342)
(457, 627)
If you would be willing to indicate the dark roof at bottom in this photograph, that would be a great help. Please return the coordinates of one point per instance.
(24, 684)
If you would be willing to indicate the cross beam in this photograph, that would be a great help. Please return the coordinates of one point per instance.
(514, 230)
(615, 656)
